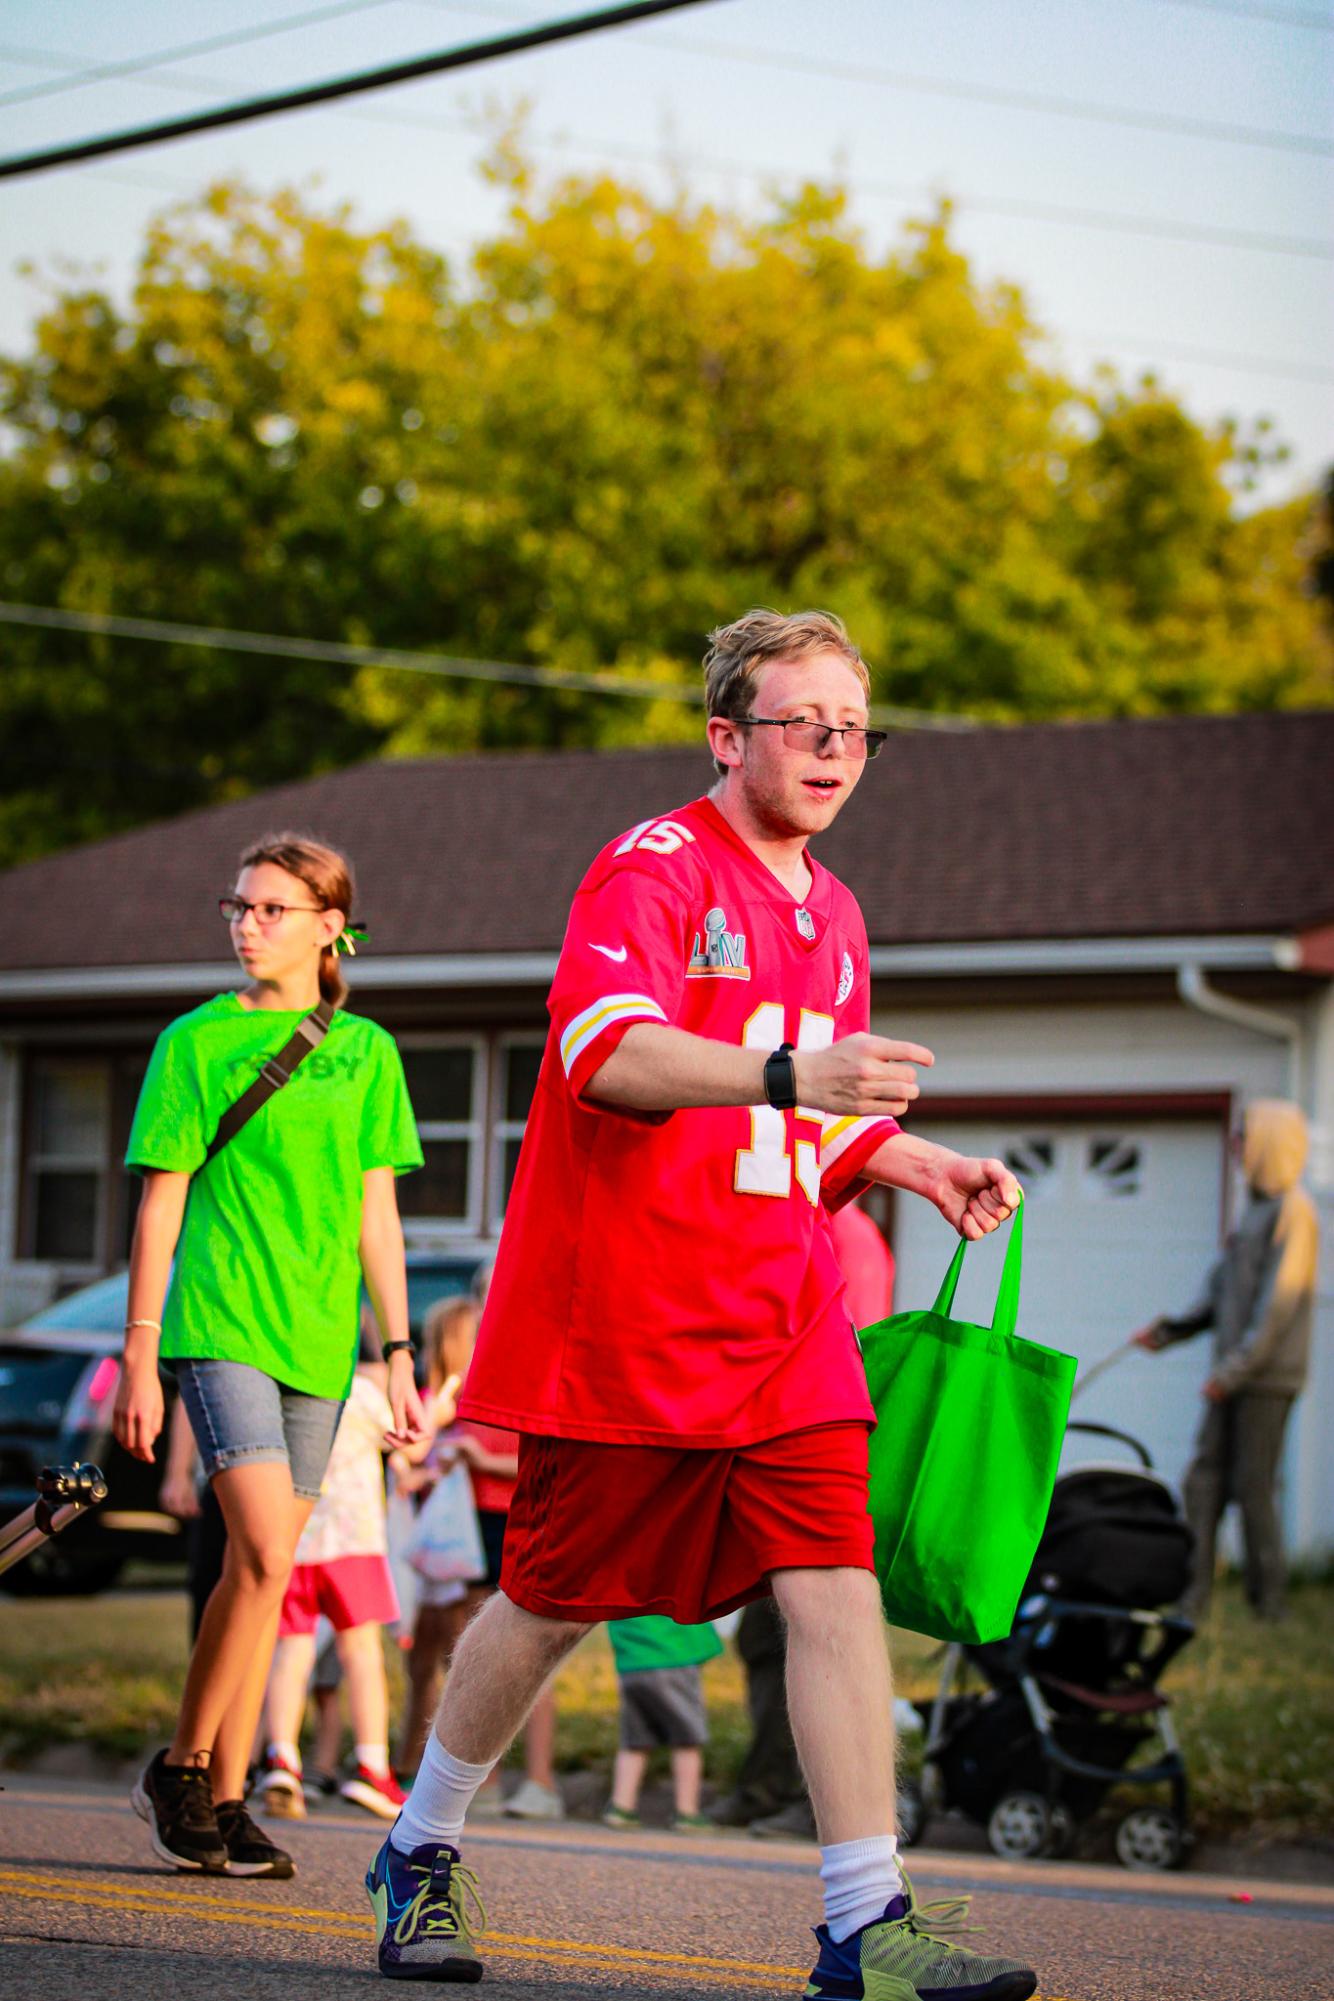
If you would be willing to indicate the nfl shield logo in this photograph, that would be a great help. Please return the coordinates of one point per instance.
(806, 925)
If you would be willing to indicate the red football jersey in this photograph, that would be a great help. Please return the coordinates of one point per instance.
(671, 1279)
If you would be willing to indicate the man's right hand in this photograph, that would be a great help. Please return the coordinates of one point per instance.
(864, 1076)
(1149, 1337)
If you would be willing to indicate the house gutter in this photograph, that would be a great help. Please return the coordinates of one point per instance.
(1195, 990)
(971, 959)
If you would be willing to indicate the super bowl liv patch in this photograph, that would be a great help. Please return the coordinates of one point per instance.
(720, 954)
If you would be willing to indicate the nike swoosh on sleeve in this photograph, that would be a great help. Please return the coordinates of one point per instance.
(616, 956)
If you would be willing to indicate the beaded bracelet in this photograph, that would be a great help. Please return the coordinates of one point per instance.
(156, 1325)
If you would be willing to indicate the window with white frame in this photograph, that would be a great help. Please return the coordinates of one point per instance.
(518, 1060)
(446, 1083)
(68, 1133)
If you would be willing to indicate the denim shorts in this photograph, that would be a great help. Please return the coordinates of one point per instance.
(240, 1417)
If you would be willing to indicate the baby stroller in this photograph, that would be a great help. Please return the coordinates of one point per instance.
(1072, 1694)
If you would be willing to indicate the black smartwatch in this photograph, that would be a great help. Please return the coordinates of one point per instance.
(397, 1347)
(780, 1079)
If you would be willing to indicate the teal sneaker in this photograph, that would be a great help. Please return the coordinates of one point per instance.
(902, 1957)
(426, 1907)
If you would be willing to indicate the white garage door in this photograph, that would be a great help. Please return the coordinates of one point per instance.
(1121, 1224)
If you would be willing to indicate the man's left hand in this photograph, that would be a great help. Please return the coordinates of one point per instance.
(976, 1196)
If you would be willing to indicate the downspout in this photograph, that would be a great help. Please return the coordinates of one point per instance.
(1194, 989)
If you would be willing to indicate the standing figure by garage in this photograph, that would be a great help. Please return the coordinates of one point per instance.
(1258, 1301)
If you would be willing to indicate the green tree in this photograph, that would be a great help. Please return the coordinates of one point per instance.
(624, 422)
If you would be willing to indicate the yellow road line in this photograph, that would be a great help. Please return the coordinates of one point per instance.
(207, 1909)
(165, 1901)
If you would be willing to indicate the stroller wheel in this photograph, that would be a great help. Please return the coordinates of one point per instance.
(911, 1813)
(1149, 1838)
(1020, 1826)
(1060, 1832)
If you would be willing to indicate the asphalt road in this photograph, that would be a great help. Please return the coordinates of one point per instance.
(90, 1915)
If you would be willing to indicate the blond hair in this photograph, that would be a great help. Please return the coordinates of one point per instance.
(328, 876)
(449, 1335)
(739, 650)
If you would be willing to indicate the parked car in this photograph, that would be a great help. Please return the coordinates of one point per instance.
(58, 1376)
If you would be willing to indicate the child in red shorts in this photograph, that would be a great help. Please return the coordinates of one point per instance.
(341, 1572)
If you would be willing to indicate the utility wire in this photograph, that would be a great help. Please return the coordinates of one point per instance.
(1245, 364)
(443, 60)
(1166, 229)
(330, 652)
(1285, 17)
(137, 65)
(1016, 100)
(931, 86)
(1208, 357)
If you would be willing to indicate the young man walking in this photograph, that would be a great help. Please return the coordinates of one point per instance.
(666, 1326)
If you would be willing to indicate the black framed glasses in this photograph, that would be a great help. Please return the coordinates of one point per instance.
(232, 910)
(801, 734)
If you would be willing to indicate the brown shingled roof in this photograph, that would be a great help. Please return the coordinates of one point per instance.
(1197, 825)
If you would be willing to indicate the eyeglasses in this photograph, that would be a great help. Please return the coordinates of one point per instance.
(802, 735)
(233, 910)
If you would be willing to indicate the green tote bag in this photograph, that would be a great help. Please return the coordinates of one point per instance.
(969, 1424)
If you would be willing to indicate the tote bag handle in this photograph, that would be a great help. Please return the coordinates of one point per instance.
(1006, 1315)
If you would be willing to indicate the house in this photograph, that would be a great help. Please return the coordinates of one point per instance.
(1113, 935)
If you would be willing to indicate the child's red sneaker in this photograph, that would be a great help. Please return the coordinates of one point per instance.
(379, 1792)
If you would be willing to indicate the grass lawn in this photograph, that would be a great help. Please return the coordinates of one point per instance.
(1254, 1704)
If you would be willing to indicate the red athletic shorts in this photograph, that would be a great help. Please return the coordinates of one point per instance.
(609, 1531)
(348, 1590)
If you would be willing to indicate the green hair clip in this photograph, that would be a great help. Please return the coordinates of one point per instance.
(348, 939)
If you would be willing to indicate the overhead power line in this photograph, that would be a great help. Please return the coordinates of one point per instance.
(930, 86)
(449, 666)
(1167, 228)
(443, 60)
(1164, 228)
(1014, 100)
(80, 77)
(1284, 17)
(1207, 357)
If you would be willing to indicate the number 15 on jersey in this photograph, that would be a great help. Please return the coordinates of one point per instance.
(765, 1166)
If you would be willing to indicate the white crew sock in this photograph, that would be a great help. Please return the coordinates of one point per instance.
(375, 1757)
(859, 1878)
(284, 1748)
(442, 1792)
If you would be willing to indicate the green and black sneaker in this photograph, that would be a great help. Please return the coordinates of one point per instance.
(427, 1911)
(902, 1957)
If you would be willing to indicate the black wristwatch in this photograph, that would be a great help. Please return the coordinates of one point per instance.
(396, 1347)
(780, 1079)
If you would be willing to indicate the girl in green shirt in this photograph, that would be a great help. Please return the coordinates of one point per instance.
(270, 1241)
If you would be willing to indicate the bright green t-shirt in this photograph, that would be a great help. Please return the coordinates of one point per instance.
(640, 1645)
(268, 1268)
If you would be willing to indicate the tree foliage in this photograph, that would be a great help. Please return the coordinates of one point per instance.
(625, 421)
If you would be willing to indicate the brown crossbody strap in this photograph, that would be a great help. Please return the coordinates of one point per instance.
(278, 1070)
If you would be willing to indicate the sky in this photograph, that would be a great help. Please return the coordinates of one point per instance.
(1116, 159)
